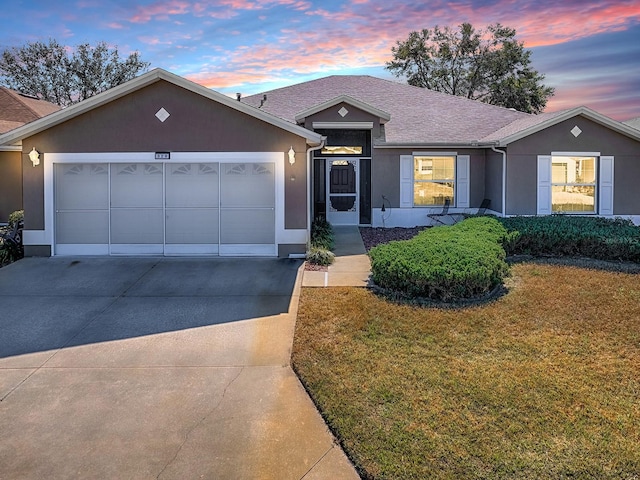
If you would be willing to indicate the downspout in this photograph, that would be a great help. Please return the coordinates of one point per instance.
(504, 179)
(309, 199)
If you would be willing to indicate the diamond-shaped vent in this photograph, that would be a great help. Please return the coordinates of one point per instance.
(576, 131)
(343, 111)
(162, 114)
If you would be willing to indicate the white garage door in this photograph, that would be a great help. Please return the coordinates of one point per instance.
(165, 208)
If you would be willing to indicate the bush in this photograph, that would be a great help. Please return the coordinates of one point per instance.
(453, 263)
(320, 256)
(566, 235)
(11, 251)
(322, 234)
(16, 217)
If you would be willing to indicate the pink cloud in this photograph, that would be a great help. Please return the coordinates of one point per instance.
(160, 11)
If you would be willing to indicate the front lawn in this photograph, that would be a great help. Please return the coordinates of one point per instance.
(542, 383)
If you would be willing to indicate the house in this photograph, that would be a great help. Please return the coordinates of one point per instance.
(163, 166)
(16, 109)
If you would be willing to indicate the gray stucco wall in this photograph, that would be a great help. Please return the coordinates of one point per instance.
(493, 180)
(386, 174)
(10, 183)
(523, 154)
(195, 124)
(354, 115)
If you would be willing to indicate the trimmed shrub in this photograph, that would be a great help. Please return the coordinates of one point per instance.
(448, 263)
(16, 217)
(320, 256)
(322, 234)
(566, 235)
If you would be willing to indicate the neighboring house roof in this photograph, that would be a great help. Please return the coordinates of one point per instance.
(16, 109)
(634, 122)
(138, 83)
(417, 115)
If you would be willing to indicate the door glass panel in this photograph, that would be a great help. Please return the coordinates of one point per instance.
(342, 177)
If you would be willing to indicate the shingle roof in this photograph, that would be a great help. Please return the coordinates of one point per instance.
(6, 125)
(520, 125)
(418, 115)
(17, 109)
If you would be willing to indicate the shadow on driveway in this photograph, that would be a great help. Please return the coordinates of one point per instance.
(51, 303)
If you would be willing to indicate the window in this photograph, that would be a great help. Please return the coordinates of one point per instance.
(573, 184)
(434, 180)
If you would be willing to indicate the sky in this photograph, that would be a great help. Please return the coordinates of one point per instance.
(589, 51)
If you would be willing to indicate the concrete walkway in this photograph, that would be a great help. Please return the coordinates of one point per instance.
(351, 267)
(156, 368)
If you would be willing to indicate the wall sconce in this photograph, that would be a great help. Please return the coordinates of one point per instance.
(34, 156)
(292, 156)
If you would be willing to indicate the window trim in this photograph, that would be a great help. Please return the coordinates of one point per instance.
(567, 183)
(605, 183)
(417, 181)
(461, 178)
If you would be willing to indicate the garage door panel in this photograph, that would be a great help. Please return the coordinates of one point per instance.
(136, 185)
(248, 185)
(247, 226)
(82, 227)
(82, 187)
(137, 226)
(192, 226)
(192, 185)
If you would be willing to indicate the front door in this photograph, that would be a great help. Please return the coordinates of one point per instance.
(342, 192)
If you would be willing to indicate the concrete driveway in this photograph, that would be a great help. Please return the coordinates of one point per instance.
(155, 368)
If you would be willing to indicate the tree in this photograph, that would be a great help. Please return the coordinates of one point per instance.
(62, 75)
(487, 65)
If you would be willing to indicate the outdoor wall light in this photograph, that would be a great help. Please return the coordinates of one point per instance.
(34, 156)
(292, 156)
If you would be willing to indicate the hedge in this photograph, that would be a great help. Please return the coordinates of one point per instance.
(566, 235)
(446, 263)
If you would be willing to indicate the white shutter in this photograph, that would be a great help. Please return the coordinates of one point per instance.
(544, 185)
(406, 181)
(605, 183)
(462, 181)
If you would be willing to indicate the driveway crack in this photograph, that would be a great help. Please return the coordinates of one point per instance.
(198, 423)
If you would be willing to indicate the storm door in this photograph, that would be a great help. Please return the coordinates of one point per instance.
(342, 192)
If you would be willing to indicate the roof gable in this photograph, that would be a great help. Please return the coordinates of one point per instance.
(382, 115)
(140, 82)
(524, 127)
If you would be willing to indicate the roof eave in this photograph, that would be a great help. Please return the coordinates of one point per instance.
(467, 144)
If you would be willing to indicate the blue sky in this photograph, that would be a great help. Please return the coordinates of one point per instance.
(588, 50)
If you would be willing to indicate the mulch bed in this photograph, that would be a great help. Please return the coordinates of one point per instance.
(374, 236)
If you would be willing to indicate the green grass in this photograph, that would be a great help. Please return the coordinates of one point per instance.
(542, 383)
